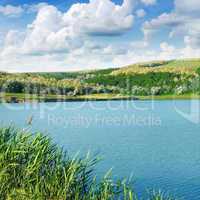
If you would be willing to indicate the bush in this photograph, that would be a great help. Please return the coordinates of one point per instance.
(198, 71)
(13, 86)
(156, 90)
(181, 90)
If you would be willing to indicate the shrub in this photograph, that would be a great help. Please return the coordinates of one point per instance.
(181, 90)
(198, 71)
(13, 86)
(156, 90)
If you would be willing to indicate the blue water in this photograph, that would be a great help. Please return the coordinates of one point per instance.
(157, 143)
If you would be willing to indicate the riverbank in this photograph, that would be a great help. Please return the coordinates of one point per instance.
(21, 98)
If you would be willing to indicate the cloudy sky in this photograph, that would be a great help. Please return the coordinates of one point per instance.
(65, 35)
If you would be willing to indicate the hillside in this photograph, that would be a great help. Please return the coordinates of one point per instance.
(188, 66)
(159, 78)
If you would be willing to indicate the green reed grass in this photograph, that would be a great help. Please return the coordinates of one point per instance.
(33, 168)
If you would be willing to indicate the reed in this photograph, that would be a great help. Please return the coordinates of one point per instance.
(33, 168)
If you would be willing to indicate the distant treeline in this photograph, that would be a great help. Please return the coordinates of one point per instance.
(101, 81)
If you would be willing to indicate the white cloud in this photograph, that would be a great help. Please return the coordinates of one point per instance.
(184, 21)
(101, 17)
(60, 41)
(56, 32)
(115, 50)
(192, 41)
(139, 44)
(167, 51)
(93, 56)
(189, 52)
(185, 6)
(140, 13)
(47, 34)
(165, 19)
(34, 7)
(11, 11)
(148, 2)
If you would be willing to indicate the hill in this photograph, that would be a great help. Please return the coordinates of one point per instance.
(187, 66)
(158, 78)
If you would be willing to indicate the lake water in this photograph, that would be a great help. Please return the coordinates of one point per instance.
(157, 143)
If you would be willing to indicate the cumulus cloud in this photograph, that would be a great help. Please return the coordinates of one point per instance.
(184, 21)
(139, 44)
(34, 7)
(115, 50)
(65, 37)
(148, 2)
(185, 6)
(101, 17)
(11, 11)
(166, 52)
(192, 41)
(54, 31)
(140, 13)
(59, 41)
(48, 34)
(165, 19)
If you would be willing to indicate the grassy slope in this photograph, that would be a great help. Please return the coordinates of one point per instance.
(175, 66)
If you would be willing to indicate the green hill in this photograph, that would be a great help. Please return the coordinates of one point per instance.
(187, 66)
(158, 78)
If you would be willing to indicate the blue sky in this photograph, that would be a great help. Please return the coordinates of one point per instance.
(81, 34)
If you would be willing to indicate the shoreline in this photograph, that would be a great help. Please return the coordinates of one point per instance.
(23, 98)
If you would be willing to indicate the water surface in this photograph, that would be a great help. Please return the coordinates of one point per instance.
(153, 142)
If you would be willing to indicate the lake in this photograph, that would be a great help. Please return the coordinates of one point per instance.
(155, 142)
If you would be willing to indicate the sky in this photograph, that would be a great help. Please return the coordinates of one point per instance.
(69, 35)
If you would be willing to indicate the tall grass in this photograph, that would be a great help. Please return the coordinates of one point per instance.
(33, 168)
